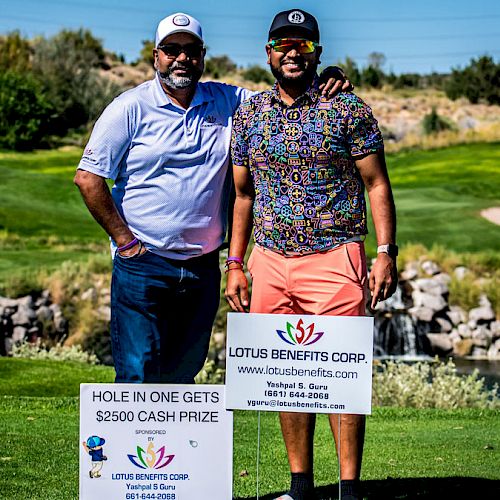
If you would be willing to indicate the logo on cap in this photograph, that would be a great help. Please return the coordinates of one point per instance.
(180, 20)
(296, 17)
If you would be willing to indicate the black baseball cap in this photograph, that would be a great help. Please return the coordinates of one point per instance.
(299, 20)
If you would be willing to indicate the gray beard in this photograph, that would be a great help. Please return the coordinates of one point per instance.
(175, 82)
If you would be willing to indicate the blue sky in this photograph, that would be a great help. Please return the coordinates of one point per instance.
(420, 36)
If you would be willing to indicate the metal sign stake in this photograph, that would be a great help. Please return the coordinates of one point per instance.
(338, 453)
(258, 451)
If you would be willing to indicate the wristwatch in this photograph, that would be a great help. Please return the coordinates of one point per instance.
(390, 249)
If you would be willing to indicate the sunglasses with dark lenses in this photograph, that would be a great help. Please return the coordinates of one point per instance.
(301, 45)
(192, 50)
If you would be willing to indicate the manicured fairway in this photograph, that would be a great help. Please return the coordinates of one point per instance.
(43, 220)
(439, 195)
(409, 453)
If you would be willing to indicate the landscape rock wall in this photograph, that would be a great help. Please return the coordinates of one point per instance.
(441, 328)
(418, 319)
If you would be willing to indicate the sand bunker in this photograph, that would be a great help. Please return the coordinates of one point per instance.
(492, 214)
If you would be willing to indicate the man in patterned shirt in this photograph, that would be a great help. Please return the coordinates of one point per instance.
(301, 164)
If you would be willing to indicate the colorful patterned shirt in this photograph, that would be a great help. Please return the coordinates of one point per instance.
(309, 195)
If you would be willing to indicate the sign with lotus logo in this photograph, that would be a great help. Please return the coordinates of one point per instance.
(299, 363)
(157, 441)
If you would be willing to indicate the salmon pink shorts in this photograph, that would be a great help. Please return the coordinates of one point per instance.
(329, 283)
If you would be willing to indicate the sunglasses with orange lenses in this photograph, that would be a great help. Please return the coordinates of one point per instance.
(301, 45)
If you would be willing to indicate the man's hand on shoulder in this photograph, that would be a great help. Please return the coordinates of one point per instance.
(383, 278)
(333, 80)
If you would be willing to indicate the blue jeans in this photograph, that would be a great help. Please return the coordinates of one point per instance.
(162, 312)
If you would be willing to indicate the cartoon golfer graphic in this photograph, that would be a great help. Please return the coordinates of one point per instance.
(93, 446)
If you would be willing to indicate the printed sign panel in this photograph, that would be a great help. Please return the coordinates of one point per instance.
(155, 442)
(307, 364)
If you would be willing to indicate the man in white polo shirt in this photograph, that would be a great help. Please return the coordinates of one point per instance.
(165, 144)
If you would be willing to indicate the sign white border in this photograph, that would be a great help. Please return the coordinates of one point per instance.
(161, 442)
(299, 363)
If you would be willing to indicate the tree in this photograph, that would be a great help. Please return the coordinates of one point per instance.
(15, 53)
(82, 42)
(351, 70)
(219, 66)
(257, 74)
(372, 77)
(58, 86)
(480, 80)
(25, 112)
(146, 54)
(406, 80)
(376, 60)
(67, 67)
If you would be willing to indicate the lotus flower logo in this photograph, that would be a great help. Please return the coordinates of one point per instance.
(151, 459)
(298, 335)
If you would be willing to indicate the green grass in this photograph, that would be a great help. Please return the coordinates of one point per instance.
(39, 198)
(408, 453)
(43, 220)
(46, 379)
(439, 195)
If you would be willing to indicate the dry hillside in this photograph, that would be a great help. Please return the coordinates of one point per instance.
(399, 113)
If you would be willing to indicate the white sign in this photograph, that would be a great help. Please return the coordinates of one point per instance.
(155, 442)
(293, 363)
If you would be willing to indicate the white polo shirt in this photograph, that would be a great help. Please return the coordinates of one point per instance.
(169, 164)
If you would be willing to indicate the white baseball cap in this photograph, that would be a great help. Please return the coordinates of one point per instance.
(178, 23)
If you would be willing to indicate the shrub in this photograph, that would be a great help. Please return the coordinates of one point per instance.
(56, 353)
(430, 385)
(483, 277)
(210, 374)
(257, 74)
(464, 292)
(25, 111)
(21, 284)
(433, 123)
